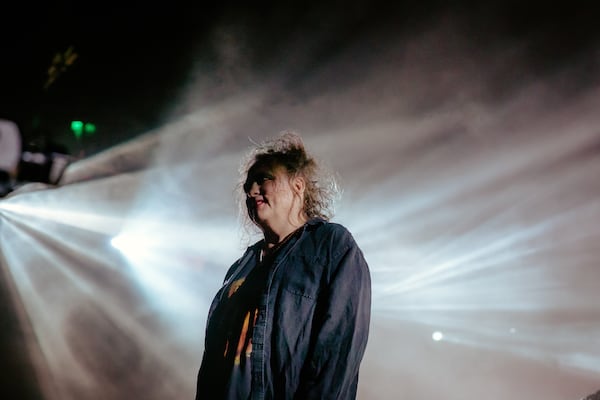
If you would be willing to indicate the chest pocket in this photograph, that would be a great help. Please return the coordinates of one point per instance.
(301, 275)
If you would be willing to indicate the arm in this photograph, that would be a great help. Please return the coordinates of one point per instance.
(340, 329)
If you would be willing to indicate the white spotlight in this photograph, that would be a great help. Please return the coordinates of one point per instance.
(117, 242)
(131, 245)
(437, 336)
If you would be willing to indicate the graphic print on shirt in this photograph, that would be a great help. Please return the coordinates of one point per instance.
(244, 345)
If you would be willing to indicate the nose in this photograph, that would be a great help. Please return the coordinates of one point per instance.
(254, 190)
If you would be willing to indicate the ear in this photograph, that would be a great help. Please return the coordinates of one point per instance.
(299, 185)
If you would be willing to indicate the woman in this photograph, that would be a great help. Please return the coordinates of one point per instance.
(292, 318)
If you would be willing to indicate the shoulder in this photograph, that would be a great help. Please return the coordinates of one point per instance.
(331, 229)
(329, 236)
(333, 246)
(250, 252)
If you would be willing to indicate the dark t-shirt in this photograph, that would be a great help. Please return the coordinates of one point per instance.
(225, 372)
(230, 333)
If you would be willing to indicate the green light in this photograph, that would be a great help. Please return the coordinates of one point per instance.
(77, 128)
(89, 128)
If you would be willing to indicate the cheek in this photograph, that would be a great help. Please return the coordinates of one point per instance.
(276, 188)
(283, 194)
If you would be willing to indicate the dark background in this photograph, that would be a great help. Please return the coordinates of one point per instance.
(133, 57)
(129, 59)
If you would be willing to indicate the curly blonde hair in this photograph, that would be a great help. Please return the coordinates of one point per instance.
(287, 150)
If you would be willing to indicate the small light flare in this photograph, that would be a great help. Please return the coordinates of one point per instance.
(437, 336)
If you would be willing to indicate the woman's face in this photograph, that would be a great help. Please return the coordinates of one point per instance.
(273, 199)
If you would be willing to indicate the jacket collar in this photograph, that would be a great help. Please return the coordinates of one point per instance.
(315, 221)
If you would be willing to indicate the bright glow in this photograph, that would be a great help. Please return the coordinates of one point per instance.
(77, 128)
(76, 125)
(129, 244)
(437, 336)
(89, 128)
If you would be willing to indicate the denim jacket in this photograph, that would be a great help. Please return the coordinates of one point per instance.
(313, 318)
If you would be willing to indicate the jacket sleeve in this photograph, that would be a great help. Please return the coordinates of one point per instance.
(340, 328)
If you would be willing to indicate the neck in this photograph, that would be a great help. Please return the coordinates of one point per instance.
(278, 235)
